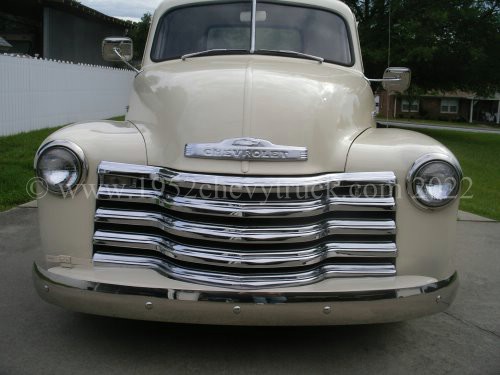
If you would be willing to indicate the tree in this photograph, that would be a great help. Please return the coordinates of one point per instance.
(448, 45)
(139, 35)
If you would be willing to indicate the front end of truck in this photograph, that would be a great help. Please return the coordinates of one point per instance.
(249, 184)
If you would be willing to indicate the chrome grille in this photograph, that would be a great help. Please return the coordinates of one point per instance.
(245, 232)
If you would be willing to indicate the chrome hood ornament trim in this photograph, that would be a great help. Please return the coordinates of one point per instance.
(245, 149)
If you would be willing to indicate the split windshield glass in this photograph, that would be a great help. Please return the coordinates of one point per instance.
(226, 28)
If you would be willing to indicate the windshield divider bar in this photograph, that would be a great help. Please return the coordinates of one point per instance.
(254, 14)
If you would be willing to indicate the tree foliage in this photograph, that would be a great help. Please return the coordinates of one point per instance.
(139, 35)
(452, 44)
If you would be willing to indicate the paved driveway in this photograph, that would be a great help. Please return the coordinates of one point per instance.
(37, 338)
(408, 125)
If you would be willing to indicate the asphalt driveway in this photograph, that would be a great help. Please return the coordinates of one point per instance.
(37, 338)
(413, 126)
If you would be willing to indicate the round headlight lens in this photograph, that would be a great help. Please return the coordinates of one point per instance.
(435, 183)
(60, 168)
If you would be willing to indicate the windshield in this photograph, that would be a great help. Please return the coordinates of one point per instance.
(228, 27)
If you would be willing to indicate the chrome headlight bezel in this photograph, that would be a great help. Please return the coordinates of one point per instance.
(423, 162)
(79, 156)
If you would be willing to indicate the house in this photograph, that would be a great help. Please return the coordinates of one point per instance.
(57, 29)
(457, 106)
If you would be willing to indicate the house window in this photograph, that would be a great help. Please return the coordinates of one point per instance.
(449, 105)
(410, 106)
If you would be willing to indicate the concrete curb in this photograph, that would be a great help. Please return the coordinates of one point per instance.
(409, 125)
(32, 204)
(467, 216)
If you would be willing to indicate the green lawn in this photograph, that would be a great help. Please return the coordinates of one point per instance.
(479, 156)
(16, 164)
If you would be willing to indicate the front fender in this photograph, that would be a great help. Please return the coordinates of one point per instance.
(425, 238)
(67, 224)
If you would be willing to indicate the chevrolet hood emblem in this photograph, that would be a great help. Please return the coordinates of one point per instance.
(245, 149)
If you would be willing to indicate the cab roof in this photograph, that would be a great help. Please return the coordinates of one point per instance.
(335, 5)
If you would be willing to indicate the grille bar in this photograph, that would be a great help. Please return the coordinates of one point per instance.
(248, 259)
(239, 281)
(239, 184)
(234, 208)
(236, 234)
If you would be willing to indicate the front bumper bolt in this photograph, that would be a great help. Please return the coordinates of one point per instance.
(149, 305)
(327, 310)
(236, 310)
(438, 299)
(46, 288)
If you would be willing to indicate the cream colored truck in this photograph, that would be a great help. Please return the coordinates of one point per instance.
(249, 183)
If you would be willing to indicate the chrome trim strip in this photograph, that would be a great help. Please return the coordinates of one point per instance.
(243, 259)
(244, 184)
(235, 208)
(236, 234)
(223, 297)
(244, 281)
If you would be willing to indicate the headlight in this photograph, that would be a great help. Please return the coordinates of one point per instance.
(434, 181)
(61, 165)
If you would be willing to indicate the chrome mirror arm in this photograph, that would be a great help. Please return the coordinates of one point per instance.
(117, 51)
(395, 79)
(384, 79)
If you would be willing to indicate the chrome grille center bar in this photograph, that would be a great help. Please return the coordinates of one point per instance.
(254, 234)
(326, 226)
(234, 208)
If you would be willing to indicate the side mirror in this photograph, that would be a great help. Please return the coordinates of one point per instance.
(396, 79)
(117, 49)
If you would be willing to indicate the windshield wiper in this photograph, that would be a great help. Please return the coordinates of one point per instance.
(290, 53)
(216, 51)
(222, 51)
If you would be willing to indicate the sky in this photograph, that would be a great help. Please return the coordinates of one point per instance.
(125, 9)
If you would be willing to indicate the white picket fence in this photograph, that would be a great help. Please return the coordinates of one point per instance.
(37, 93)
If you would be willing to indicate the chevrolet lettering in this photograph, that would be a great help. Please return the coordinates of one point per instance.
(249, 183)
(245, 149)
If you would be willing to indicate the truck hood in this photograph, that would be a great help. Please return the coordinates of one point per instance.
(286, 101)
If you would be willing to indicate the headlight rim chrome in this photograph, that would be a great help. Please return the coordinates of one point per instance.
(79, 156)
(420, 163)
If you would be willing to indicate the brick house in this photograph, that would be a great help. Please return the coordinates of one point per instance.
(458, 106)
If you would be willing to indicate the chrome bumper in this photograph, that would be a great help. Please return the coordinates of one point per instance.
(245, 307)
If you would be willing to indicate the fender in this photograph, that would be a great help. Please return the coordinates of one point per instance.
(424, 239)
(74, 215)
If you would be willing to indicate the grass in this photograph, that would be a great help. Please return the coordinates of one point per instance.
(16, 164)
(117, 118)
(478, 154)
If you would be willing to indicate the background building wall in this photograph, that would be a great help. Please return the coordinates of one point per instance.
(71, 38)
